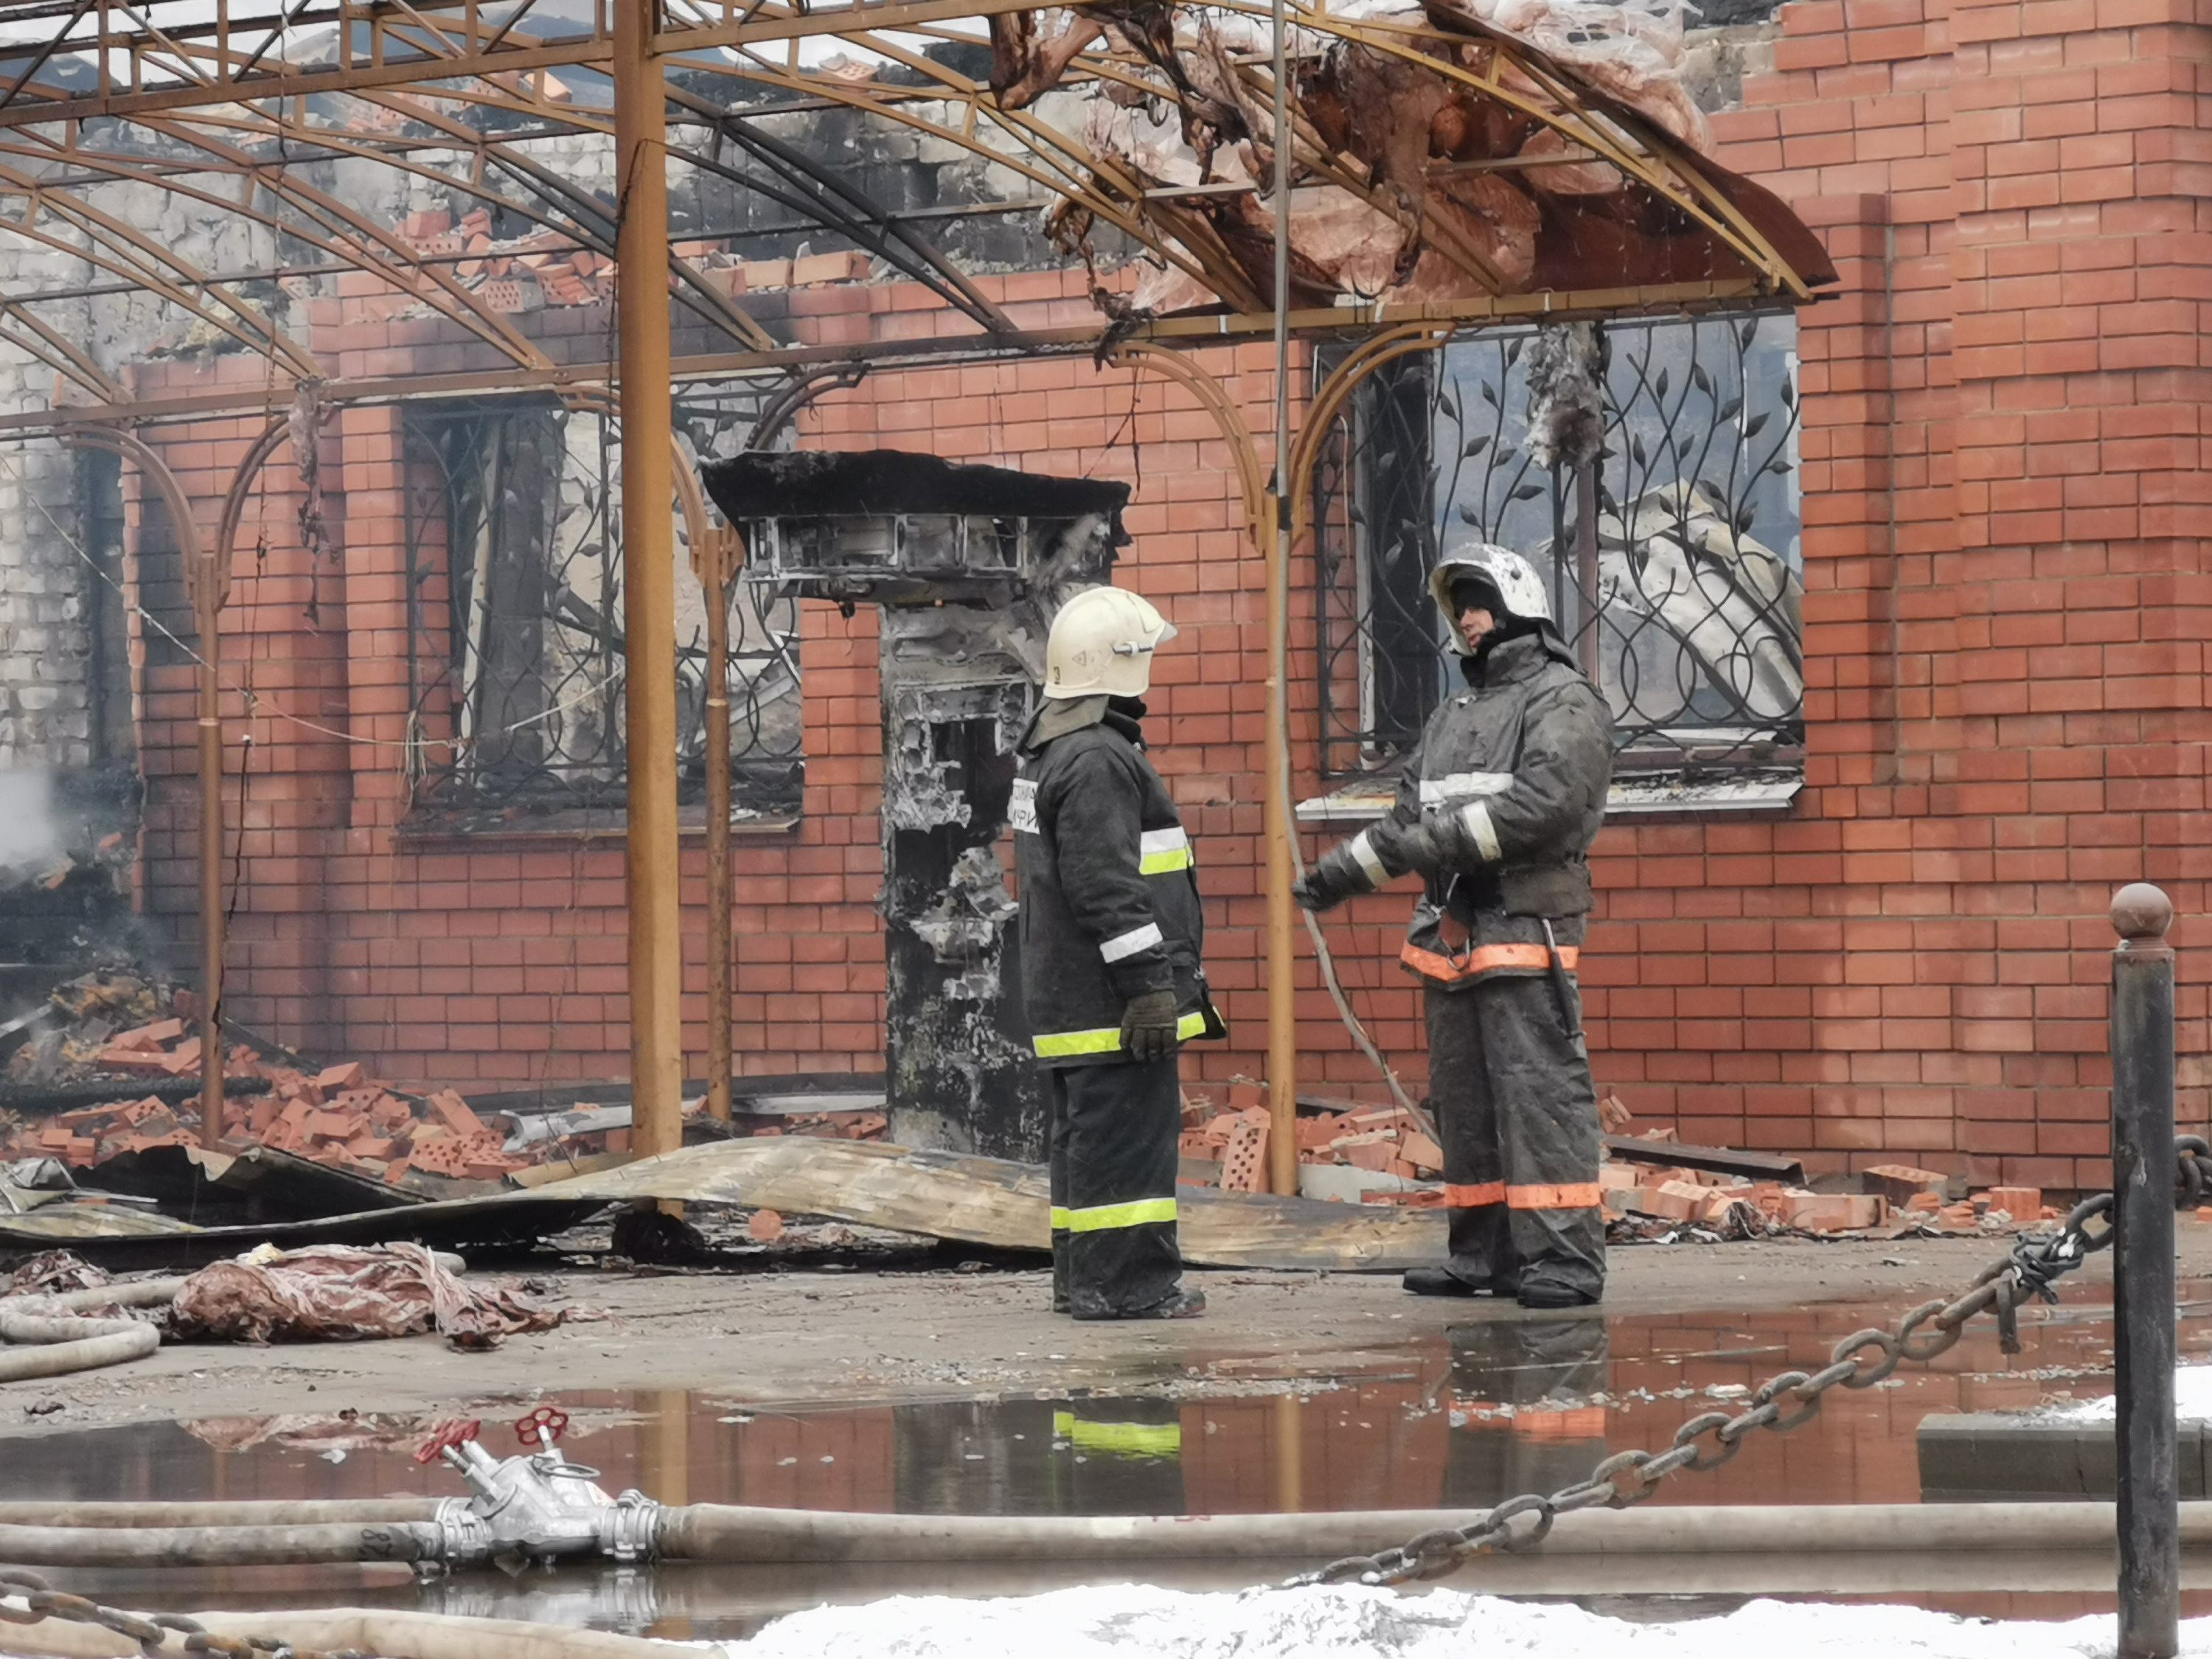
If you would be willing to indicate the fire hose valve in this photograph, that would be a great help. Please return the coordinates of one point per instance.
(450, 1437)
(541, 1428)
(538, 1506)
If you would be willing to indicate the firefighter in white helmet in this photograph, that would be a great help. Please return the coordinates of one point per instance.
(1497, 808)
(1110, 936)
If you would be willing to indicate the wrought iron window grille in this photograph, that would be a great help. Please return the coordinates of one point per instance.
(515, 657)
(1689, 621)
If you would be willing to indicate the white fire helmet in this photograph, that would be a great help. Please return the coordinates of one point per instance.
(1101, 641)
(1513, 577)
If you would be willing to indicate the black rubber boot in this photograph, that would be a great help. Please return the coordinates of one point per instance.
(1183, 1304)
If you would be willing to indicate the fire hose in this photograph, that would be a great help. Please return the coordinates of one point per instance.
(58, 1339)
(49, 1622)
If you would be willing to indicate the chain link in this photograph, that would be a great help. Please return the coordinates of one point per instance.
(2030, 1269)
(26, 1598)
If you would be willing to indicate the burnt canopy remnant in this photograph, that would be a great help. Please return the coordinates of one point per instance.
(846, 483)
(969, 563)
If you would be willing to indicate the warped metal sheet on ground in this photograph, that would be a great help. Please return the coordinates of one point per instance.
(495, 1219)
(989, 1201)
(260, 1184)
(86, 1223)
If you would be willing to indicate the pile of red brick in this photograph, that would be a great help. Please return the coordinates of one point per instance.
(1677, 1194)
(1385, 1140)
(825, 1126)
(337, 1116)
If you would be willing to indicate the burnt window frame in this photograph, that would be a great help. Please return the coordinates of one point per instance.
(558, 761)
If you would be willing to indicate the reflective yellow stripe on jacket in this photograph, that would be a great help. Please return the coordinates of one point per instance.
(1160, 851)
(1104, 1040)
(1122, 1439)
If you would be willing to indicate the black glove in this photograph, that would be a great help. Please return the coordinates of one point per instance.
(1148, 1025)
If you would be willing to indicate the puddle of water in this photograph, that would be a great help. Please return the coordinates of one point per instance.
(1456, 1420)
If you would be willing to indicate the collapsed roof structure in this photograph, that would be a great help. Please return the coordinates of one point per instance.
(1459, 157)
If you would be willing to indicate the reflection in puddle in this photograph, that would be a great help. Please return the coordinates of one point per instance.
(1460, 1418)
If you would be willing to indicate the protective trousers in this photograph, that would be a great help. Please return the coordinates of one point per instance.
(1517, 1112)
(1114, 1133)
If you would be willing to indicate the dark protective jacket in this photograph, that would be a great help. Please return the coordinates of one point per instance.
(1515, 769)
(1108, 894)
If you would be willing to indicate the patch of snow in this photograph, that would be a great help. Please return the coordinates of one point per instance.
(2192, 1402)
(1356, 1622)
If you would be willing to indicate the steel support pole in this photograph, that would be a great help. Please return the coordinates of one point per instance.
(2143, 1275)
(1282, 991)
(648, 584)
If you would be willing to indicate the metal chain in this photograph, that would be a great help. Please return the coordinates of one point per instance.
(1783, 1402)
(27, 1599)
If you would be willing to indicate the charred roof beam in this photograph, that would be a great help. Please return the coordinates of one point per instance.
(850, 210)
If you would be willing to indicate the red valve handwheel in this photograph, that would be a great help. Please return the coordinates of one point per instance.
(542, 1427)
(448, 1434)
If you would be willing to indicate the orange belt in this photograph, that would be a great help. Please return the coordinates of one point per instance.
(1577, 1195)
(1483, 958)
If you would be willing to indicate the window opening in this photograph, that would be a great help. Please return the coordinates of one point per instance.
(514, 584)
(1699, 559)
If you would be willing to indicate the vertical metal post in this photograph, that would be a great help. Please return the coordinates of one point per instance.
(1282, 993)
(716, 555)
(2144, 1273)
(719, 1057)
(656, 982)
(207, 622)
(1586, 511)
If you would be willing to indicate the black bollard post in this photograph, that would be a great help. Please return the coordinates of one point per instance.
(2144, 1273)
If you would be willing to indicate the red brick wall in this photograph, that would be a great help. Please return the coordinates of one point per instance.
(2004, 487)
(2004, 601)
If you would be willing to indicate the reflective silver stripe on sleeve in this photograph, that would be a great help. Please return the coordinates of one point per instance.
(1364, 850)
(1457, 786)
(1128, 944)
(1477, 820)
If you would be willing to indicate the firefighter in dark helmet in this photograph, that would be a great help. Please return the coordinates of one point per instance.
(1497, 808)
(1110, 964)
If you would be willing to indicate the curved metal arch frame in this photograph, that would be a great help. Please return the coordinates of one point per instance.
(207, 584)
(1047, 158)
(106, 242)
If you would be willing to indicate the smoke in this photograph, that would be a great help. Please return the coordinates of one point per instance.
(31, 835)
